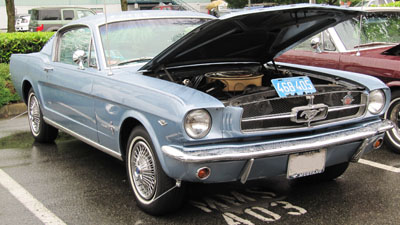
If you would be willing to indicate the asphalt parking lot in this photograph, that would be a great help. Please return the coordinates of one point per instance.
(73, 183)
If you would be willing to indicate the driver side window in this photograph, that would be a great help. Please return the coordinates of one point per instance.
(73, 40)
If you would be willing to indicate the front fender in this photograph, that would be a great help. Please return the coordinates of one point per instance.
(154, 129)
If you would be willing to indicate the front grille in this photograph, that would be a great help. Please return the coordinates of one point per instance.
(261, 113)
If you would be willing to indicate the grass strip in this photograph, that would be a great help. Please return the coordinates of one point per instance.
(25, 140)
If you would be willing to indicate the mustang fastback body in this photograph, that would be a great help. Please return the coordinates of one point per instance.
(183, 96)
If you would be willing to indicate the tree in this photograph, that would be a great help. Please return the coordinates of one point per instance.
(124, 5)
(10, 7)
(331, 2)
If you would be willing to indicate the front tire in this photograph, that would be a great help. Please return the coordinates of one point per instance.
(392, 137)
(41, 131)
(146, 177)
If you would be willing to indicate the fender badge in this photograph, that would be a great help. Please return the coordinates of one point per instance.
(162, 122)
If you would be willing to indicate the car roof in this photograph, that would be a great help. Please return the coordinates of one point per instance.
(56, 8)
(100, 19)
(378, 9)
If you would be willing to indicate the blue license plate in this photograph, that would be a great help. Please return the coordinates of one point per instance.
(293, 86)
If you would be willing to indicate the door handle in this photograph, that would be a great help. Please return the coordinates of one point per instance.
(47, 68)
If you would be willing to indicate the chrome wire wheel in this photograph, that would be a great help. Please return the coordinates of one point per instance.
(395, 117)
(393, 114)
(34, 114)
(154, 191)
(143, 171)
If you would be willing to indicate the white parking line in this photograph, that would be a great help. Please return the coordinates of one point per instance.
(30, 202)
(379, 165)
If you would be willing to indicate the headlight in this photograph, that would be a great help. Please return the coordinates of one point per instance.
(376, 101)
(197, 123)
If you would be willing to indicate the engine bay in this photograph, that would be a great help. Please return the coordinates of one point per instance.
(231, 84)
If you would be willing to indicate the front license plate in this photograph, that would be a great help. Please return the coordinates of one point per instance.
(306, 163)
(293, 86)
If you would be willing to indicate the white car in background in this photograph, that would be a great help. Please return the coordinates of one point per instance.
(22, 22)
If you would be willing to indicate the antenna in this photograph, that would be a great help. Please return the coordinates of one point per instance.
(110, 73)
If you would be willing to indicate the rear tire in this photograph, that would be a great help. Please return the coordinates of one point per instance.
(392, 137)
(147, 178)
(41, 131)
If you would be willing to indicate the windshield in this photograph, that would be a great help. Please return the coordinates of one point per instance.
(377, 29)
(139, 41)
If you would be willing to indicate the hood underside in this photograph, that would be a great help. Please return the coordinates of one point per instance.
(250, 36)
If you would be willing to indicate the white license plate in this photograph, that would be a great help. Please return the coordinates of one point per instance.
(306, 163)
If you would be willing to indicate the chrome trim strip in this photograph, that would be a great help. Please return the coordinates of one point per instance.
(240, 151)
(208, 64)
(268, 117)
(84, 139)
(339, 108)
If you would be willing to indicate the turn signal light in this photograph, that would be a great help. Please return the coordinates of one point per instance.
(203, 173)
(378, 143)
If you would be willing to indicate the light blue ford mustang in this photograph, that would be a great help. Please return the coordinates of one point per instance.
(185, 97)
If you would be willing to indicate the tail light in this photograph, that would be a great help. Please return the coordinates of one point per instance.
(40, 28)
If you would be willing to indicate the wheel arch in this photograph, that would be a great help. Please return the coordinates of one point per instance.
(131, 121)
(26, 86)
(126, 127)
(394, 88)
(128, 124)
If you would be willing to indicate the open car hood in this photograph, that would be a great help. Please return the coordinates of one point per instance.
(250, 36)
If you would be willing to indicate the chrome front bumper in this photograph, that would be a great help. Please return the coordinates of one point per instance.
(254, 150)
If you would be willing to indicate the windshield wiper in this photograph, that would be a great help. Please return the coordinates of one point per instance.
(373, 44)
(134, 60)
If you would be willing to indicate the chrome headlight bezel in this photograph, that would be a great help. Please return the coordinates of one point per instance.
(376, 101)
(197, 123)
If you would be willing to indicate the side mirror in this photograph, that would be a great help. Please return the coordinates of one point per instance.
(79, 57)
(316, 45)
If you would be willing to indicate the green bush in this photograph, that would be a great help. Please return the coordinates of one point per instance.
(19, 42)
(392, 4)
(7, 91)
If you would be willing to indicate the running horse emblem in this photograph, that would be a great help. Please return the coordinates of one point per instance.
(309, 115)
